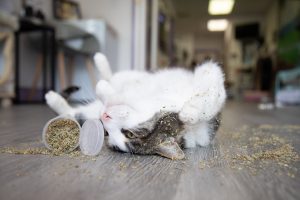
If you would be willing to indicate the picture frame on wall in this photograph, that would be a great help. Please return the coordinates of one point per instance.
(66, 10)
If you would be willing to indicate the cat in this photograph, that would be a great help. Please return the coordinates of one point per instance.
(133, 104)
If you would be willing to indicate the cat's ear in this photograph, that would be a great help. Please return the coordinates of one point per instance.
(169, 148)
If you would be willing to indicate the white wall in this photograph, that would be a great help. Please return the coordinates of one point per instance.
(139, 31)
(185, 42)
(213, 43)
(118, 14)
(154, 36)
(192, 43)
(210, 42)
(233, 53)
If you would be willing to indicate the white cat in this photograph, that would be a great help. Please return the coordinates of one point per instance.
(130, 100)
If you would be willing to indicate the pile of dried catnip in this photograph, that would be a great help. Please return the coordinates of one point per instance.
(256, 149)
(38, 150)
(44, 151)
(26, 151)
(62, 135)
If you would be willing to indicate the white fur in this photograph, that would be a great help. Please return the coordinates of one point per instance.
(132, 97)
(208, 96)
(197, 96)
(197, 134)
(57, 103)
(103, 66)
(116, 138)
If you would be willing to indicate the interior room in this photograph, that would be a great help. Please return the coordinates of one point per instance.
(149, 99)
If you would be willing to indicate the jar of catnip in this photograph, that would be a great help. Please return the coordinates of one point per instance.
(63, 134)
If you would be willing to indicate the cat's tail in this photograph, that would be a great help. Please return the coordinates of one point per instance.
(103, 66)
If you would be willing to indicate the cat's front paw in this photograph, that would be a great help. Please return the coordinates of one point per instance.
(189, 114)
(57, 102)
(104, 91)
(52, 98)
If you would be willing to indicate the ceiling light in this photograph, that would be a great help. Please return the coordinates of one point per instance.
(220, 7)
(217, 24)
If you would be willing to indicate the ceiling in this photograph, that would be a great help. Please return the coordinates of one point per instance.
(192, 15)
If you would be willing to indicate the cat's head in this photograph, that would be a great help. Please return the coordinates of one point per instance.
(140, 131)
(115, 118)
(162, 134)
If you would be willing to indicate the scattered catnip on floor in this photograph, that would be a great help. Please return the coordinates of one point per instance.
(265, 148)
(257, 149)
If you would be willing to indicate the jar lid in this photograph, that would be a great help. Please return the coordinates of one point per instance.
(91, 137)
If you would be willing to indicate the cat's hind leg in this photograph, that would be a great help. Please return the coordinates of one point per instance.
(208, 97)
(103, 66)
(105, 91)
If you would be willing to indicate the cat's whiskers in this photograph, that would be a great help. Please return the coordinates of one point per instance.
(84, 101)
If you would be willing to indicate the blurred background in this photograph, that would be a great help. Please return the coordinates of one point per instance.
(50, 45)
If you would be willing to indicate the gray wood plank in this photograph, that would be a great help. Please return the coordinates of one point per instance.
(114, 175)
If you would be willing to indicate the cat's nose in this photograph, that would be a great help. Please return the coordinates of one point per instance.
(105, 117)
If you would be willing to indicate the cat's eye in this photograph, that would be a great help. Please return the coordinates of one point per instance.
(130, 135)
(137, 134)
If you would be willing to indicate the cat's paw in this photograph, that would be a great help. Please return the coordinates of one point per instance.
(52, 98)
(189, 141)
(203, 140)
(104, 91)
(102, 65)
(100, 59)
(57, 102)
(189, 114)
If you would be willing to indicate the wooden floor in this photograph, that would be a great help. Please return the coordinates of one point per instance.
(114, 175)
